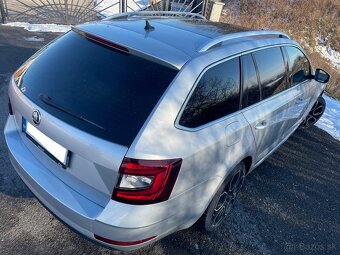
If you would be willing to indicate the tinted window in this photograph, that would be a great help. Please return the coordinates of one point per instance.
(251, 89)
(215, 96)
(115, 90)
(298, 65)
(271, 71)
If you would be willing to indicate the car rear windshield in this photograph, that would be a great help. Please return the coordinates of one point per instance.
(80, 79)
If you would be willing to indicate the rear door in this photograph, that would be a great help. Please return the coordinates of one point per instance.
(268, 116)
(218, 130)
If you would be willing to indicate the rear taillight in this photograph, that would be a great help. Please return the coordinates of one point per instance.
(146, 181)
(10, 110)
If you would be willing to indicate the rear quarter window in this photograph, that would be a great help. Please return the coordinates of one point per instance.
(216, 95)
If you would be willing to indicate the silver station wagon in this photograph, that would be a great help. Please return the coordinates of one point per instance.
(140, 125)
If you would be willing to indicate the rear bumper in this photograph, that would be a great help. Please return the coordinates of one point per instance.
(116, 221)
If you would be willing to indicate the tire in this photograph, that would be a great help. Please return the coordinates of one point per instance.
(315, 113)
(223, 200)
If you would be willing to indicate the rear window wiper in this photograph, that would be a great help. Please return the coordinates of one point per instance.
(48, 100)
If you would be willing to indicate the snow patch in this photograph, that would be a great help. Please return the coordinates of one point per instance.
(40, 27)
(329, 54)
(34, 39)
(330, 120)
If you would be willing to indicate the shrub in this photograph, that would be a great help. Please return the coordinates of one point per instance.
(307, 21)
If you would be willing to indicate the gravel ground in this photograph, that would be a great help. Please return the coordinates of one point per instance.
(290, 203)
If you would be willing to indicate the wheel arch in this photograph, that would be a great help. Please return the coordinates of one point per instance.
(248, 162)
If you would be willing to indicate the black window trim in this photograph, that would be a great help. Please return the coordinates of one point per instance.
(257, 74)
(285, 60)
(242, 78)
(178, 126)
(241, 82)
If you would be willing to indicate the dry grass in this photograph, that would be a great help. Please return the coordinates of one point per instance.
(303, 20)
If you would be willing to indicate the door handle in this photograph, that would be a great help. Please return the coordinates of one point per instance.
(261, 125)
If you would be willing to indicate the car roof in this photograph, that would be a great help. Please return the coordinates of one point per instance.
(173, 40)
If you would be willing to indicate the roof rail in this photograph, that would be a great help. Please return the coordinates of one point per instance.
(155, 14)
(227, 37)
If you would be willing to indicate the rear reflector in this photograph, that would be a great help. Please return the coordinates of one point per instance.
(10, 110)
(100, 40)
(146, 181)
(105, 240)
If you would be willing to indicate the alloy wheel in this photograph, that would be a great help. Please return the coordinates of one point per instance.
(228, 197)
(315, 114)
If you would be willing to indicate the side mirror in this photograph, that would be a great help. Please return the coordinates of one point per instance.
(321, 76)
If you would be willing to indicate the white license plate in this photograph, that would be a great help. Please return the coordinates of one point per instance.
(54, 150)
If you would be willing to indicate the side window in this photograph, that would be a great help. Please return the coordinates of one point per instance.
(299, 68)
(271, 69)
(251, 88)
(215, 96)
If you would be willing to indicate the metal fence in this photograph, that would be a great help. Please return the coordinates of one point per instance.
(80, 11)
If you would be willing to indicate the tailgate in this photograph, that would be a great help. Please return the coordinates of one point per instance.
(93, 163)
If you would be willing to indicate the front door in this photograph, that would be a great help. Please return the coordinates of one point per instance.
(268, 117)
